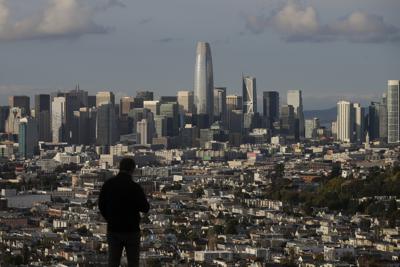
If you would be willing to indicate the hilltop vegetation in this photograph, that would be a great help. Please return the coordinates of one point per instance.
(347, 195)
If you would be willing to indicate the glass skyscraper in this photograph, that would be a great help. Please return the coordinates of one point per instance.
(203, 82)
(393, 97)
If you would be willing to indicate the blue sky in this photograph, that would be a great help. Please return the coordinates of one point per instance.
(329, 49)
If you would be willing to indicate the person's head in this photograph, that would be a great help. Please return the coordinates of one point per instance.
(127, 165)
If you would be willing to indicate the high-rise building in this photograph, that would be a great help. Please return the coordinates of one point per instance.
(4, 112)
(185, 101)
(160, 124)
(393, 108)
(85, 121)
(358, 127)
(58, 119)
(153, 106)
(383, 119)
(80, 95)
(204, 83)
(105, 98)
(12, 124)
(311, 126)
(125, 105)
(43, 117)
(145, 95)
(233, 102)
(220, 104)
(288, 123)
(106, 125)
(145, 130)
(345, 121)
(249, 94)
(22, 102)
(270, 108)
(28, 137)
(171, 112)
(295, 99)
(374, 111)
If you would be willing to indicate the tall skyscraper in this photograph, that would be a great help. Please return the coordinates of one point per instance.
(295, 99)
(185, 101)
(220, 104)
(105, 98)
(345, 121)
(249, 94)
(81, 96)
(383, 119)
(287, 122)
(22, 102)
(393, 107)
(85, 123)
(43, 116)
(374, 111)
(270, 108)
(145, 130)
(58, 119)
(4, 112)
(28, 137)
(204, 83)
(171, 112)
(311, 127)
(233, 102)
(106, 125)
(12, 124)
(358, 123)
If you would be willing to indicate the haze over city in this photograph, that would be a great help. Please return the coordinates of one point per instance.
(327, 49)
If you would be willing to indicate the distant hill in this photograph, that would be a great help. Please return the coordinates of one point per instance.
(324, 115)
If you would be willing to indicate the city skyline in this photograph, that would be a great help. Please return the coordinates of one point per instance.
(95, 56)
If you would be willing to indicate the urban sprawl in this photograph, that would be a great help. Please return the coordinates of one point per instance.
(228, 185)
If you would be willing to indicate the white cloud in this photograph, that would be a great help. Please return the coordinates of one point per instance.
(57, 19)
(295, 22)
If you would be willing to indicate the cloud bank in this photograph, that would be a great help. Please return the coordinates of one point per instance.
(57, 19)
(297, 23)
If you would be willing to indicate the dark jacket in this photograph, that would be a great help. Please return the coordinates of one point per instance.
(120, 201)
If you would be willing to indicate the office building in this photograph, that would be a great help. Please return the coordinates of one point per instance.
(185, 101)
(22, 102)
(270, 108)
(28, 137)
(220, 104)
(12, 123)
(359, 119)
(383, 119)
(4, 113)
(288, 123)
(345, 121)
(58, 119)
(160, 124)
(249, 94)
(85, 123)
(311, 127)
(105, 98)
(153, 106)
(106, 125)
(393, 108)
(43, 117)
(374, 111)
(125, 105)
(171, 112)
(81, 96)
(295, 99)
(204, 84)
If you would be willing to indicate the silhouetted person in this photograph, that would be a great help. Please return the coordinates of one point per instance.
(120, 201)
